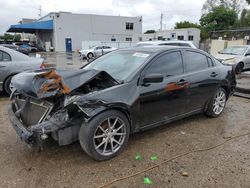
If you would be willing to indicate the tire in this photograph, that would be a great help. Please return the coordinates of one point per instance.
(6, 86)
(239, 68)
(90, 55)
(100, 148)
(217, 104)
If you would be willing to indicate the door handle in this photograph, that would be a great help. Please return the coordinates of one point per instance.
(213, 74)
(2, 66)
(182, 82)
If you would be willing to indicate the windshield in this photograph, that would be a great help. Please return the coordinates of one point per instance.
(234, 50)
(119, 64)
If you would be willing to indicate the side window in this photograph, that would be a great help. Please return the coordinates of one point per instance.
(184, 44)
(196, 61)
(98, 47)
(169, 64)
(106, 47)
(4, 56)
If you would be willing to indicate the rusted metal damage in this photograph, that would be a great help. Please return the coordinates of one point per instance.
(54, 82)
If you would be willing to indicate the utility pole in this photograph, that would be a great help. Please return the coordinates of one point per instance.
(161, 21)
(40, 11)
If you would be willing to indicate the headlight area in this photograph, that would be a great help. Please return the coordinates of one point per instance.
(229, 61)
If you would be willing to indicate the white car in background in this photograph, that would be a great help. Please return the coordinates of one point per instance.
(236, 56)
(167, 43)
(96, 51)
(13, 62)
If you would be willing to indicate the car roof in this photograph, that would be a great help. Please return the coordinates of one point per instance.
(153, 49)
(164, 42)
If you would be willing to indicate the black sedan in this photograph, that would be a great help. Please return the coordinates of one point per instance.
(120, 93)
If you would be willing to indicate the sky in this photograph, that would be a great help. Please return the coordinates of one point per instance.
(12, 11)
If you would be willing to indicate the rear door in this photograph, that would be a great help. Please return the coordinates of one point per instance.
(162, 101)
(204, 79)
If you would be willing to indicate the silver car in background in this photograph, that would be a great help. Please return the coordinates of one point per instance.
(96, 51)
(12, 63)
(236, 56)
(167, 43)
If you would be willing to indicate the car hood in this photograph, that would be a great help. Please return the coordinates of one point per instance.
(48, 83)
(224, 56)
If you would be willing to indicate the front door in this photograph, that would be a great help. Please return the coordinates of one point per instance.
(159, 102)
(5, 63)
(68, 44)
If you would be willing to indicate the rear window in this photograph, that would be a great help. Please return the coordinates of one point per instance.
(4, 56)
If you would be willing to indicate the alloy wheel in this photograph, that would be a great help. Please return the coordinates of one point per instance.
(219, 102)
(109, 136)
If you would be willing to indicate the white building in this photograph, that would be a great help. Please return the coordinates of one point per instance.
(188, 34)
(65, 31)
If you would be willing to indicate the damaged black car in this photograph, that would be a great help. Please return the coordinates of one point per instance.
(120, 93)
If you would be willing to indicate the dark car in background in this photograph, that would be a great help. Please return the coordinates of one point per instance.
(120, 93)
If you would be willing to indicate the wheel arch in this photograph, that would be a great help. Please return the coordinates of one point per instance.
(12, 74)
(102, 109)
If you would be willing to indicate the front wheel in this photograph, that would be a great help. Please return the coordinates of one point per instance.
(90, 55)
(8, 86)
(239, 68)
(217, 103)
(105, 136)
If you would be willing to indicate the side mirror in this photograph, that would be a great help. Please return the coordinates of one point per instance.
(219, 52)
(153, 78)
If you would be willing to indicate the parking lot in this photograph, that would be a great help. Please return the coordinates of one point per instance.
(224, 166)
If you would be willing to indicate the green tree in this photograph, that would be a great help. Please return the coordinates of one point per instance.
(236, 5)
(220, 18)
(186, 24)
(248, 1)
(150, 31)
(10, 37)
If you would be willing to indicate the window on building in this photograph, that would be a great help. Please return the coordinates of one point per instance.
(169, 64)
(173, 35)
(129, 26)
(191, 37)
(128, 39)
(113, 39)
(180, 37)
(196, 61)
(4, 56)
(160, 38)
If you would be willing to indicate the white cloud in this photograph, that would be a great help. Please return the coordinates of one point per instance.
(13, 11)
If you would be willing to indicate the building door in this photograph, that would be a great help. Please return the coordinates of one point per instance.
(68, 43)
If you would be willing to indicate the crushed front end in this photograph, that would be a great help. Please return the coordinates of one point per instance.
(45, 103)
(35, 120)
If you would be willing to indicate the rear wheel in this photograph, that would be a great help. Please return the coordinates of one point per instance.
(217, 103)
(105, 136)
(8, 86)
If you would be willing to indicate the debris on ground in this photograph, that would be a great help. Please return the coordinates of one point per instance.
(185, 174)
(147, 181)
(137, 157)
(183, 133)
(153, 157)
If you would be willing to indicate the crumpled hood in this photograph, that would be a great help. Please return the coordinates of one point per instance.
(224, 56)
(48, 83)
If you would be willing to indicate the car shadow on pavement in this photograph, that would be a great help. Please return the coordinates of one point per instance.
(50, 148)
